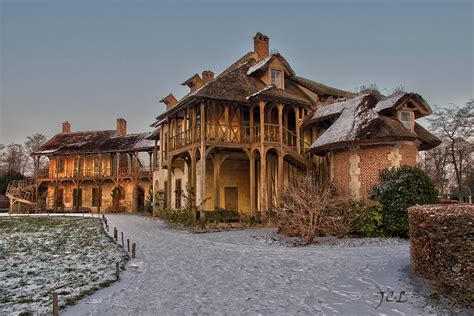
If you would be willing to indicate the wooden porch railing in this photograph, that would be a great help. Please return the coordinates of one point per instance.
(95, 173)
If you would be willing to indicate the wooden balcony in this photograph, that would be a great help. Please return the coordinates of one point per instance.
(94, 173)
(243, 135)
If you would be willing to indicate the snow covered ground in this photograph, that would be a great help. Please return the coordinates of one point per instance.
(70, 255)
(253, 272)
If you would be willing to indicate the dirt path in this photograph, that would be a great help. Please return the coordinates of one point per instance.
(229, 273)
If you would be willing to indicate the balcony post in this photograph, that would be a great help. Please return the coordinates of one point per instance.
(297, 124)
(227, 123)
(263, 165)
(251, 123)
(202, 196)
(217, 167)
(262, 121)
(193, 124)
(155, 154)
(280, 123)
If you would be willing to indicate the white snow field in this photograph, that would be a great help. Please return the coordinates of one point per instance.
(71, 255)
(240, 272)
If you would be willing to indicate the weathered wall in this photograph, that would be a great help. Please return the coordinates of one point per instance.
(356, 170)
(128, 204)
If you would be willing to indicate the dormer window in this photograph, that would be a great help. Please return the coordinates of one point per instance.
(277, 78)
(406, 119)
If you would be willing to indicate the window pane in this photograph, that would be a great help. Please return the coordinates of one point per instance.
(276, 78)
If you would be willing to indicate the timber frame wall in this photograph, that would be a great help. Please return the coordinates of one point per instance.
(118, 168)
(219, 130)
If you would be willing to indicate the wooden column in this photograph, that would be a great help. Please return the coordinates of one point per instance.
(281, 153)
(169, 193)
(155, 154)
(193, 172)
(252, 184)
(202, 197)
(263, 165)
(217, 191)
(251, 125)
(193, 124)
(297, 124)
(226, 120)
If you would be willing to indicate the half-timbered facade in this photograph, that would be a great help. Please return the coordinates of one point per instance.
(237, 139)
(100, 171)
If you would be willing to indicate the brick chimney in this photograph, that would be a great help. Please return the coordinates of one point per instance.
(194, 83)
(66, 127)
(207, 76)
(169, 100)
(261, 45)
(121, 127)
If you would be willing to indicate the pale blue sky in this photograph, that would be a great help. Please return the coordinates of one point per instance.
(90, 62)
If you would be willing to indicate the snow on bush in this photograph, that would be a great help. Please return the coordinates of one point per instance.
(442, 247)
(72, 256)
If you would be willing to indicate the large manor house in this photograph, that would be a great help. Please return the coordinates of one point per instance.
(235, 141)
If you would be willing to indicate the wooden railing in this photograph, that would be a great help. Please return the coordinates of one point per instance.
(95, 173)
(237, 135)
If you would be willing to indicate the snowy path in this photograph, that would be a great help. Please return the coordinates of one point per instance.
(227, 273)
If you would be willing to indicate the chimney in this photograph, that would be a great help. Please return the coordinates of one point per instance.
(194, 83)
(121, 127)
(207, 76)
(261, 45)
(66, 127)
(169, 100)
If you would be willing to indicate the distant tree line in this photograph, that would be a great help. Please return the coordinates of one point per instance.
(16, 162)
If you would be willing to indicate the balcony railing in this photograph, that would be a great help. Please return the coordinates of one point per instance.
(237, 135)
(95, 173)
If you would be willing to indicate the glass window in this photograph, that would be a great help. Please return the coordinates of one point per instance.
(276, 78)
(405, 117)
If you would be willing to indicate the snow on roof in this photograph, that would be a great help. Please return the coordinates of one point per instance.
(258, 92)
(354, 117)
(259, 65)
(389, 102)
(336, 108)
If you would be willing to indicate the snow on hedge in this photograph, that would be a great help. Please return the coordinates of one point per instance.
(70, 255)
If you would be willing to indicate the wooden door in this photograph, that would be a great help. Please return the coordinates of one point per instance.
(231, 199)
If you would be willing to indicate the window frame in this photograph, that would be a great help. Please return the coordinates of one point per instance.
(280, 72)
(410, 122)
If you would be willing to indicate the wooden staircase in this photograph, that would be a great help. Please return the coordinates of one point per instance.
(22, 195)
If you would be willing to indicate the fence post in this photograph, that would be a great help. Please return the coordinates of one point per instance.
(133, 250)
(128, 245)
(115, 233)
(123, 246)
(55, 304)
(117, 271)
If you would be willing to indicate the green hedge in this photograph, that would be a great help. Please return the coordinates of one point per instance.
(398, 189)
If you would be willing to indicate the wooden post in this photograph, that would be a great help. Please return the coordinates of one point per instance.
(134, 247)
(128, 245)
(115, 233)
(55, 304)
(123, 245)
(203, 155)
(117, 271)
(252, 184)
(217, 165)
(297, 124)
(263, 167)
(251, 123)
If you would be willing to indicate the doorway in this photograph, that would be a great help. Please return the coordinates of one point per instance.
(231, 199)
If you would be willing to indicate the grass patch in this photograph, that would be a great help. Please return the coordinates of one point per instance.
(70, 255)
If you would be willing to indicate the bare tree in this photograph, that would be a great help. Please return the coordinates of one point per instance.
(14, 159)
(32, 143)
(454, 125)
(436, 164)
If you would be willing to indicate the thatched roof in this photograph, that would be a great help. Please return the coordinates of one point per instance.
(356, 121)
(93, 142)
(240, 83)
(319, 88)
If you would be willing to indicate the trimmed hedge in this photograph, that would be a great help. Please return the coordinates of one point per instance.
(442, 247)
